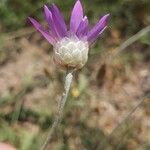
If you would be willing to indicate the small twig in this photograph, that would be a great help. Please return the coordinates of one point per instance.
(67, 84)
(122, 122)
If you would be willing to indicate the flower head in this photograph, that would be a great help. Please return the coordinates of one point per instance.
(71, 45)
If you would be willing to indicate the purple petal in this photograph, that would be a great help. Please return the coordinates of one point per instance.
(42, 31)
(48, 16)
(76, 16)
(83, 28)
(58, 21)
(98, 29)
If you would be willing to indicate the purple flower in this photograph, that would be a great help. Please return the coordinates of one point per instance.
(70, 45)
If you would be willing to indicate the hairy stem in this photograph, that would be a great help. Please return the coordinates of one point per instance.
(67, 84)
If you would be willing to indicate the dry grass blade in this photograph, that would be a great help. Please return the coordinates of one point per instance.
(130, 41)
(105, 141)
(19, 33)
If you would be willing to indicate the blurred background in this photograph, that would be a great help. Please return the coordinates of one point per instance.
(102, 94)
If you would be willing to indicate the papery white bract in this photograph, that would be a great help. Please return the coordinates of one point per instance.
(71, 52)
